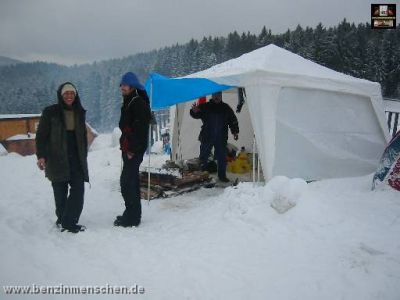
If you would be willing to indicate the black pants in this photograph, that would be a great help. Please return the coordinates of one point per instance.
(130, 188)
(220, 153)
(69, 206)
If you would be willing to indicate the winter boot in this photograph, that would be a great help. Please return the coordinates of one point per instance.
(124, 221)
(74, 228)
(224, 179)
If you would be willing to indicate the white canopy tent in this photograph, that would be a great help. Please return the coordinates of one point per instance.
(309, 121)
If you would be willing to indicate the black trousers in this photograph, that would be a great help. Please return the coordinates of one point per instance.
(130, 188)
(220, 153)
(69, 205)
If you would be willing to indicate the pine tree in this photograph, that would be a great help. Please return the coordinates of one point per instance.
(233, 45)
(264, 38)
(391, 67)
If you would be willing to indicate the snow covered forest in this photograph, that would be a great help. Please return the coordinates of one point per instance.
(352, 49)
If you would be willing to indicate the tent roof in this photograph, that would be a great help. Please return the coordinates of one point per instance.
(274, 59)
(270, 65)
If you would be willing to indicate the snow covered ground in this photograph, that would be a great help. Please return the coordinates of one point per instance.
(340, 240)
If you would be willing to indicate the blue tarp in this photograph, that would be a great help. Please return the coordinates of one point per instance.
(166, 91)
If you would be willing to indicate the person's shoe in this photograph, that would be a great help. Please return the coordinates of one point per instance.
(58, 223)
(136, 224)
(224, 179)
(73, 228)
(120, 221)
(80, 227)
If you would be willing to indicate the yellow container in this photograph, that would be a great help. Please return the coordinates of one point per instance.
(240, 165)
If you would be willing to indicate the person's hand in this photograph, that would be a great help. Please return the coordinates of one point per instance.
(236, 136)
(130, 155)
(195, 108)
(41, 163)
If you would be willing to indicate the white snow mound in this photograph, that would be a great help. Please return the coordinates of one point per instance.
(285, 192)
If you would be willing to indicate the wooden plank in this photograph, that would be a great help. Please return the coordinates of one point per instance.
(167, 185)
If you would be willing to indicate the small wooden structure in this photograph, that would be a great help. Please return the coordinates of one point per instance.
(18, 132)
(11, 125)
(166, 183)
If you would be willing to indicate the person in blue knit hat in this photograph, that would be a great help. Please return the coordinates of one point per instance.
(130, 79)
(134, 124)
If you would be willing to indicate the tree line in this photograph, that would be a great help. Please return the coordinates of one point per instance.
(352, 49)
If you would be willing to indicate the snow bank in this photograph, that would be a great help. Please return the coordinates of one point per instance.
(339, 242)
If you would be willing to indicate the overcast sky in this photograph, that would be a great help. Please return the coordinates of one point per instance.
(79, 31)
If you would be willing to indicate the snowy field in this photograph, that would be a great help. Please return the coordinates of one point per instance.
(340, 240)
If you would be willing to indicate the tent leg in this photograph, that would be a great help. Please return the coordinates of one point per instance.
(258, 167)
(179, 153)
(148, 169)
(254, 159)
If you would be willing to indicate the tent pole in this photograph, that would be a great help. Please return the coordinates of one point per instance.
(149, 146)
(254, 159)
(258, 167)
(178, 146)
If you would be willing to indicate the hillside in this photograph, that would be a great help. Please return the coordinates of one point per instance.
(6, 61)
(352, 49)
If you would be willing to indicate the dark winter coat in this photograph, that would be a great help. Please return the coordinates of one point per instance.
(216, 118)
(53, 141)
(134, 124)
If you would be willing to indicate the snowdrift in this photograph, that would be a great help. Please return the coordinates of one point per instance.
(340, 240)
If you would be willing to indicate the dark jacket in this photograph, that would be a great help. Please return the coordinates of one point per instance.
(134, 123)
(216, 118)
(52, 140)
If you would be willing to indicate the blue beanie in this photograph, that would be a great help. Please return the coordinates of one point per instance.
(131, 80)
